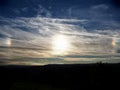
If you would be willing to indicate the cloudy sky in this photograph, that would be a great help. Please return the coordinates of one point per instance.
(38, 32)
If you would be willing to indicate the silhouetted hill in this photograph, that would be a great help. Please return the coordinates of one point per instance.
(60, 77)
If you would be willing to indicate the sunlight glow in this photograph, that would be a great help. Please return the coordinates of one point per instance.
(60, 45)
(113, 42)
(8, 41)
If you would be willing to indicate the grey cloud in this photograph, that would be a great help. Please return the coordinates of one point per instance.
(35, 34)
(41, 11)
(99, 7)
(101, 16)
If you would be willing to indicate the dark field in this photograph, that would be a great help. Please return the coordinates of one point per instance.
(60, 77)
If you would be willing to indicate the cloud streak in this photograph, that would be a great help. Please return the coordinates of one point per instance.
(37, 32)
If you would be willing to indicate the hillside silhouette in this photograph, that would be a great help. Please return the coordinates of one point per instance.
(60, 77)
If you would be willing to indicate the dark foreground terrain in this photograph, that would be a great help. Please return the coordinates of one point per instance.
(60, 77)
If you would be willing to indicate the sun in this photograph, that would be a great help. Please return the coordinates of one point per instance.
(60, 45)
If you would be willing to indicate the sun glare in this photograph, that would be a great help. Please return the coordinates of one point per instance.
(8, 41)
(113, 42)
(60, 45)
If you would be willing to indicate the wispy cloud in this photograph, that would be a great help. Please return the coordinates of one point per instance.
(31, 37)
(37, 32)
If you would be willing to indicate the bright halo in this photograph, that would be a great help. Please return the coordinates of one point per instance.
(113, 42)
(60, 45)
(8, 41)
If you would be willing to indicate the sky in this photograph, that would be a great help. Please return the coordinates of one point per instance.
(40, 32)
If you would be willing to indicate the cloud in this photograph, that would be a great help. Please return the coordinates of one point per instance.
(32, 38)
(99, 16)
(41, 11)
(100, 6)
(32, 34)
